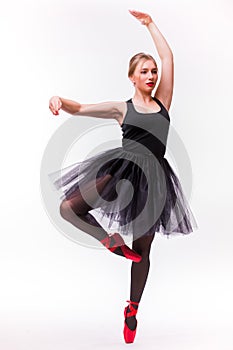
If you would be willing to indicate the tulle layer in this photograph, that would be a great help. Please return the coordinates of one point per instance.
(143, 194)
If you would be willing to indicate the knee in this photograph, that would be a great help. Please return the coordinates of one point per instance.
(145, 254)
(143, 246)
(65, 209)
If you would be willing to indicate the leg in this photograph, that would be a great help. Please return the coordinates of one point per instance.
(75, 210)
(139, 273)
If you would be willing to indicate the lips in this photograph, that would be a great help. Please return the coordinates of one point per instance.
(150, 84)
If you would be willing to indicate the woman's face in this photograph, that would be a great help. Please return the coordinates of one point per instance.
(145, 76)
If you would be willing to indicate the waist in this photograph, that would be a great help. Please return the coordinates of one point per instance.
(140, 149)
(136, 147)
(143, 153)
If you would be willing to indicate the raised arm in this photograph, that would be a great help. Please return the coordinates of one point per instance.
(112, 109)
(164, 90)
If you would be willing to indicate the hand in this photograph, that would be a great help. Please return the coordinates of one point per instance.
(144, 18)
(55, 104)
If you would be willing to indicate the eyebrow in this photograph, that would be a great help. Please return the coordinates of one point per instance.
(147, 68)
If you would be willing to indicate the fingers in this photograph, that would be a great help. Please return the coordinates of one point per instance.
(134, 13)
(137, 13)
(53, 109)
(55, 105)
(144, 18)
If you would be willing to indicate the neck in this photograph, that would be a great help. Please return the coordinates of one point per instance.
(142, 97)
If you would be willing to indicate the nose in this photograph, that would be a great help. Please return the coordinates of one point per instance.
(150, 75)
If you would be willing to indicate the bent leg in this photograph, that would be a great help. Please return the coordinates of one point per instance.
(76, 210)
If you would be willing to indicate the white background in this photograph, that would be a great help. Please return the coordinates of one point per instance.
(56, 294)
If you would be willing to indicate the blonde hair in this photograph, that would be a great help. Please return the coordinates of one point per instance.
(136, 59)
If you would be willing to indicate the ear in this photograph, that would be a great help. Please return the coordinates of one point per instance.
(132, 80)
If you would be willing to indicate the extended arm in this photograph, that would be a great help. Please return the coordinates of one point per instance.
(111, 109)
(164, 91)
(165, 88)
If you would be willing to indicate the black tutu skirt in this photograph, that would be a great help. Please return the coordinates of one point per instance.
(143, 195)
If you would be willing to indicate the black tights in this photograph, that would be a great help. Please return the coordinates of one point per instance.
(75, 210)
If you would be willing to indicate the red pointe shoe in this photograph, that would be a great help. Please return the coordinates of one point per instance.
(116, 241)
(129, 334)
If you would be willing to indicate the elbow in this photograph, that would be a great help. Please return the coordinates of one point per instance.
(77, 109)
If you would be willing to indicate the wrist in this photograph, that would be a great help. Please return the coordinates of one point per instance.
(61, 100)
(148, 25)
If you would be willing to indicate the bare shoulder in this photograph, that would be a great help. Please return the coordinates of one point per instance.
(165, 100)
(122, 109)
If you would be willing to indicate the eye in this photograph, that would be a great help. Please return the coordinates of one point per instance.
(154, 72)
